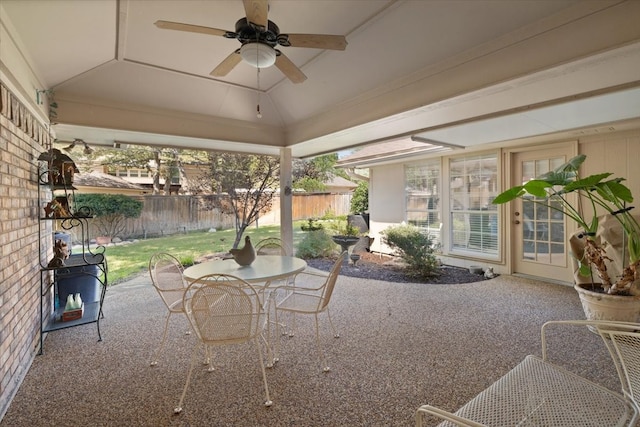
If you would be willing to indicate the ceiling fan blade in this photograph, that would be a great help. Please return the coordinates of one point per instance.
(257, 11)
(168, 25)
(227, 64)
(290, 69)
(316, 41)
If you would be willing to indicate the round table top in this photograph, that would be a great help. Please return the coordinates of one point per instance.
(265, 268)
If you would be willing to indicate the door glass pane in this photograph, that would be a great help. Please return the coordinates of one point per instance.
(542, 249)
(556, 232)
(542, 225)
(528, 171)
(556, 162)
(542, 166)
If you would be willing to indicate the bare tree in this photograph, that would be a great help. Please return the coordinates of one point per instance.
(155, 171)
(244, 184)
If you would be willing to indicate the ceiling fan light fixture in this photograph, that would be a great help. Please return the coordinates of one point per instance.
(258, 55)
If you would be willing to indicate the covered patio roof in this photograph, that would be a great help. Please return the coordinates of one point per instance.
(445, 71)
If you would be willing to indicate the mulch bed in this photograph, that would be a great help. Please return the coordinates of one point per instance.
(387, 268)
(377, 266)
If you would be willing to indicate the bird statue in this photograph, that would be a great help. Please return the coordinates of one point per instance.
(246, 254)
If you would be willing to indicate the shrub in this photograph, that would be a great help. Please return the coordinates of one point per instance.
(360, 198)
(329, 216)
(187, 260)
(414, 247)
(311, 225)
(110, 211)
(315, 244)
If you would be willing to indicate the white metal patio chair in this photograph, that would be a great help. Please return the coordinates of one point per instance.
(224, 310)
(538, 392)
(309, 300)
(271, 246)
(166, 275)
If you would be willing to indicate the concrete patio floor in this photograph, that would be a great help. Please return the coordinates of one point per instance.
(402, 345)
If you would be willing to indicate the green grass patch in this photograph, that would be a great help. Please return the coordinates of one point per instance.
(128, 260)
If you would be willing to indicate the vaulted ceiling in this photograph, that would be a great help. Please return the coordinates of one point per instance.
(468, 72)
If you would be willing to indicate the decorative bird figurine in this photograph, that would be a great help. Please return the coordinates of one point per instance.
(245, 255)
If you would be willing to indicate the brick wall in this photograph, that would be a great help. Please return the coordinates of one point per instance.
(22, 139)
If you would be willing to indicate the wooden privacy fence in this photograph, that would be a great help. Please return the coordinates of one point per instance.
(316, 205)
(166, 215)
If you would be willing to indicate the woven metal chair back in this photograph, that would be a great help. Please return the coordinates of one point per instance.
(166, 276)
(623, 342)
(271, 246)
(224, 309)
(330, 284)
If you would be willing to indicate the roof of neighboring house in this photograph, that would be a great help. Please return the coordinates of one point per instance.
(387, 151)
(99, 179)
(338, 181)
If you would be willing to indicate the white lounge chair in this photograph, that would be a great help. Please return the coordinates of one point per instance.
(538, 392)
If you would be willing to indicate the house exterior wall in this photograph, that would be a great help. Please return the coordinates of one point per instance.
(386, 201)
(22, 140)
(616, 152)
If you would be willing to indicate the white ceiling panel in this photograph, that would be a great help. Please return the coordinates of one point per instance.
(586, 112)
(410, 66)
(61, 52)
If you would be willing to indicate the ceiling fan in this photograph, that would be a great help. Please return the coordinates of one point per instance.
(259, 37)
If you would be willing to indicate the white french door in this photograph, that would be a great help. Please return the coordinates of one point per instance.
(539, 244)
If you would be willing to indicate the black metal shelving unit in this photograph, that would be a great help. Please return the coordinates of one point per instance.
(88, 266)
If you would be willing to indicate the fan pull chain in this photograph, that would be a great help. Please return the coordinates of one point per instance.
(259, 114)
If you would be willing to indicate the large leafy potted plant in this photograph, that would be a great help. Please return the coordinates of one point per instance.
(608, 242)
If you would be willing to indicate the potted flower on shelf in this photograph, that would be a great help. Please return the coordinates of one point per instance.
(608, 242)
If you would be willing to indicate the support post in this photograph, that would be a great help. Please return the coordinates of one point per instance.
(286, 199)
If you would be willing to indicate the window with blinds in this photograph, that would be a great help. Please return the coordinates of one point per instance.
(474, 220)
(422, 188)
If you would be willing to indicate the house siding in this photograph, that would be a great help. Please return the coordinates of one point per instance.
(22, 139)
(616, 152)
(386, 201)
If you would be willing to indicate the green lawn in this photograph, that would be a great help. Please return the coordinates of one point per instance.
(127, 260)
